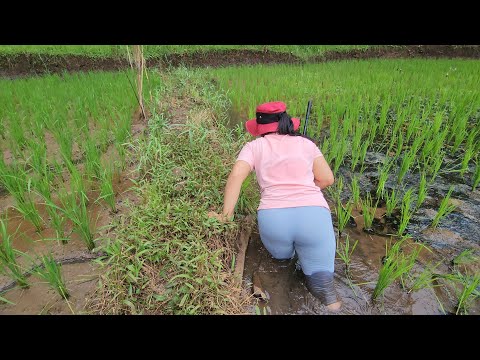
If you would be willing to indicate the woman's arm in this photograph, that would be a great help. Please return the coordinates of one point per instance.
(239, 173)
(323, 175)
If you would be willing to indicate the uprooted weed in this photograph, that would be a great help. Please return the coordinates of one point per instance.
(168, 256)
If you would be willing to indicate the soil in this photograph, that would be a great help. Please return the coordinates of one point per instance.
(21, 65)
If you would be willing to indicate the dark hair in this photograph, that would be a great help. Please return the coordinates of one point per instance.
(285, 127)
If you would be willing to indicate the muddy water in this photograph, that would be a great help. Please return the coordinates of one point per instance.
(286, 293)
(285, 285)
(81, 278)
(40, 298)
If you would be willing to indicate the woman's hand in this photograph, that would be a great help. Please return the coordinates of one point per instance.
(220, 217)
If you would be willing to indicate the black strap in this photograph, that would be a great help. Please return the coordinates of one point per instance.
(263, 118)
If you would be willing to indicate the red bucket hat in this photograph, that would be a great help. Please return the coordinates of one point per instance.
(265, 122)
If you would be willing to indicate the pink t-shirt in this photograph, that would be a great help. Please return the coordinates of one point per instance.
(284, 168)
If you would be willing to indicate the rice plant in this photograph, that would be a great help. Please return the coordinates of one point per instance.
(446, 207)
(355, 190)
(435, 167)
(391, 199)
(106, 188)
(8, 257)
(383, 173)
(92, 159)
(51, 272)
(407, 161)
(426, 279)
(397, 265)
(57, 222)
(17, 184)
(467, 256)
(2, 299)
(422, 190)
(343, 215)
(469, 292)
(406, 213)
(75, 208)
(345, 251)
(476, 177)
(466, 159)
(368, 211)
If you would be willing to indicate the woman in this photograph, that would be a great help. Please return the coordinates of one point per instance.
(293, 215)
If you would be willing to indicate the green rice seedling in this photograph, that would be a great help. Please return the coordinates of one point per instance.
(437, 163)
(469, 152)
(77, 184)
(335, 191)
(92, 159)
(57, 221)
(363, 154)
(399, 145)
(75, 208)
(79, 216)
(420, 140)
(383, 177)
(368, 211)
(412, 129)
(426, 279)
(64, 137)
(397, 265)
(476, 177)
(439, 142)
(15, 181)
(355, 190)
(16, 135)
(469, 292)
(406, 213)
(51, 272)
(446, 207)
(343, 215)
(2, 299)
(422, 190)
(467, 256)
(391, 199)
(106, 188)
(344, 251)
(407, 161)
(38, 157)
(8, 257)
(372, 132)
(384, 113)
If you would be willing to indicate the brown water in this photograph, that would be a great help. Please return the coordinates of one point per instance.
(81, 278)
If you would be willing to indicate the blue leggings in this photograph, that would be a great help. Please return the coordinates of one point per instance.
(308, 230)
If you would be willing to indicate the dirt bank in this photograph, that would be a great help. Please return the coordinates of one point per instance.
(21, 65)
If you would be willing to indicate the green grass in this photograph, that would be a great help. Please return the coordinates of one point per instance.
(99, 51)
(168, 256)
